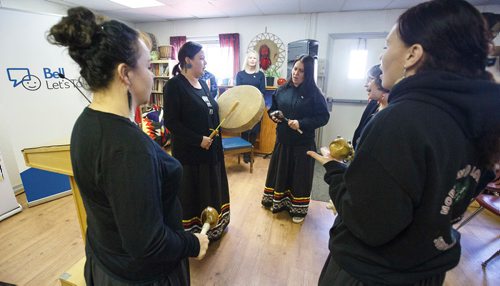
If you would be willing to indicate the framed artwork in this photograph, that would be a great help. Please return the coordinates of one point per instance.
(270, 49)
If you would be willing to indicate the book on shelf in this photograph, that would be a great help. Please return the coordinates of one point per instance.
(158, 85)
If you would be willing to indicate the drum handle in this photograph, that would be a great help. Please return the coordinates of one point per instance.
(216, 130)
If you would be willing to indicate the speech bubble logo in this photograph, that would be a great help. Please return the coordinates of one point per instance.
(17, 75)
(31, 82)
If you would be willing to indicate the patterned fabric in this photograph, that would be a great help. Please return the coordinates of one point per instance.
(285, 201)
(195, 224)
(202, 186)
(289, 180)
(152, 125)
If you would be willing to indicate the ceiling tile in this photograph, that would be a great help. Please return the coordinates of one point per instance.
(183, 9)
(359, 5)
(316, 6)
(268, 7)
(97, 5)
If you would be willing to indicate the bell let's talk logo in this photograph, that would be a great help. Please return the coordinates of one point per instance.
(52, 81)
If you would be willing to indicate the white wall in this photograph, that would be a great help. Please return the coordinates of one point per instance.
(43, 115)
(22, 114)
(35, 6)
(247, 27)
(345, 117)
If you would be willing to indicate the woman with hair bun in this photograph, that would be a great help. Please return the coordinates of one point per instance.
(422, 159)
(129, 185)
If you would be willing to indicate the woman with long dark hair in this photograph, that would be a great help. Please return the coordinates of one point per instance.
(421, 160)
(129, 185)
(378, 99)
(190, 115)
(289, 178)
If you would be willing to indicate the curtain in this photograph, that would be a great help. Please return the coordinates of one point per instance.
(177, 43)
(230, 45)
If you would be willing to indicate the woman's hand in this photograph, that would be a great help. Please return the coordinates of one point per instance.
(203, 240)
(325, 156)
(274, 118)
(206, 142)
(294, 124)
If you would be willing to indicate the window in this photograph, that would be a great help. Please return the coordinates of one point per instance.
(357, 60)
(357, 64)
(216, 63)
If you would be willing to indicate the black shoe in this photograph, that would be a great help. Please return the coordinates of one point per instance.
(246, 158)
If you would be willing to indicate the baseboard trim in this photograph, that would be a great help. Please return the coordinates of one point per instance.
(18, 189)
(50, 198)
(11, 213)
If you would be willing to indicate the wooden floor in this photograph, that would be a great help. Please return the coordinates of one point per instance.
(259, 248)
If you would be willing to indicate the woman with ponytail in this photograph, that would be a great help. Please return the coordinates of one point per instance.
(191, 114)
(422, 159)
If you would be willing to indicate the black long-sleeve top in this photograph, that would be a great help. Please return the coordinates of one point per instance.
(257, 79)
(309, 109)
(129, 188)
(370, 110)
(415, 171)
(188, 118)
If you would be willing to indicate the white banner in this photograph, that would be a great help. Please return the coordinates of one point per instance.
(8, 203)
(40, 106)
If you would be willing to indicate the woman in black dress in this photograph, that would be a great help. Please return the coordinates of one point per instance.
(289, 178)
(251, 75)
(190, 115)
(129, 185)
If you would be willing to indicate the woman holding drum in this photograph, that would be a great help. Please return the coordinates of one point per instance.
(190, 114)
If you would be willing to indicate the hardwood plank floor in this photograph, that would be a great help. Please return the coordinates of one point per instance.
(259, 248)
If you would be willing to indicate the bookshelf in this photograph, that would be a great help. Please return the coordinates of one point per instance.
(162, 70)
(149, 116)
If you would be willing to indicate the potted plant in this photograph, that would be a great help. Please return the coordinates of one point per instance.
(271, 73)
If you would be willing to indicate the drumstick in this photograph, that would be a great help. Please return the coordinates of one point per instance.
(216, 130)
(298, 129)
(281, 116)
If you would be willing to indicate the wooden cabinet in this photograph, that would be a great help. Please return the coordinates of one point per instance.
(267, 135)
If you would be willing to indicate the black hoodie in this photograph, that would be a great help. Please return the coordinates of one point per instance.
(415, 171)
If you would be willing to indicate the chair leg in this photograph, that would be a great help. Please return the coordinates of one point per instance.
(251, 161)
(238, 159)
(480, 209)
(491, 258)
